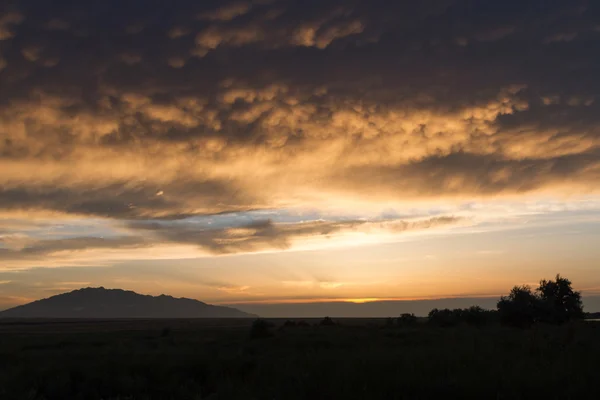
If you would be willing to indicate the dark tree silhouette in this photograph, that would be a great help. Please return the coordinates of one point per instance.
(559, 303)
(407, 319)
(445, 317)
(554, 301)
(477, 316)
(519, 308)
(474, 315)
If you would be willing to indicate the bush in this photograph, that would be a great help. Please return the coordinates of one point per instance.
(260, 329)
(407, 319)
(327, 321)
(443, 317)
(165, 332)
(474, 315)
(477, 316)
(290, 324)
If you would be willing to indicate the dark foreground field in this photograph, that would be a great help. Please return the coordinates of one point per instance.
(360, 359)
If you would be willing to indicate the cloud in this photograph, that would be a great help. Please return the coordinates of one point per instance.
(326, 285)
(560, 37)
(265, 234)
(495, 33)
(7, 21)
(242, 106)
(227, 12)
(233, 289)
(192, 238)
(38, 249)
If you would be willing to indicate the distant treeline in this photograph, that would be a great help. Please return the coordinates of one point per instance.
(553, 302)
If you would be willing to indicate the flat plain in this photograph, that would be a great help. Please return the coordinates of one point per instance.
(353, 359)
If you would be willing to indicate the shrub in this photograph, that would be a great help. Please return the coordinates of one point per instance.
(260, 329)
(407, 319)
(327, 321)
(477, 316)
(474, 315)
(290, 324)
(165, 332)
(443, 317)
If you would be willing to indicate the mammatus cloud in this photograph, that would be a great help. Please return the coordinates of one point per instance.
(213, 107)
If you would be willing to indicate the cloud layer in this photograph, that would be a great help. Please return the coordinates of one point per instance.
(17, 250)
(140, 112)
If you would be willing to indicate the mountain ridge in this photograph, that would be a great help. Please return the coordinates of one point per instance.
(91, 302)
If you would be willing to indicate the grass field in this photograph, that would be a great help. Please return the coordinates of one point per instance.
(357, 359)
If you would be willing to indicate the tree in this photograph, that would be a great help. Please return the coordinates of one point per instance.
(554, 301)
(559, 303)
(477, 316)
(519, 308)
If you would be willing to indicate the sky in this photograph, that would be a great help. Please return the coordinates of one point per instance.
(289, 156)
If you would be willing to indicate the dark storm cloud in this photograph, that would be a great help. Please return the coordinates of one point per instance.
(250, 104)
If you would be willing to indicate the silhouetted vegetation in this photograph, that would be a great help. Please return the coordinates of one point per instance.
(559, 303)
(592, 315)
(474, 315)
(407, 319)
(445, 317)
(553, 302)
(165, 332)
(477, 316)
(294, 324)
(290, 324)
(327, 321)
(519, 308)
(261, 328)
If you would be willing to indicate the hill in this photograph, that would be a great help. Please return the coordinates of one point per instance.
(117, 303)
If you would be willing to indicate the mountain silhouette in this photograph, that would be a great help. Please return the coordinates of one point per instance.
(117, 303)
